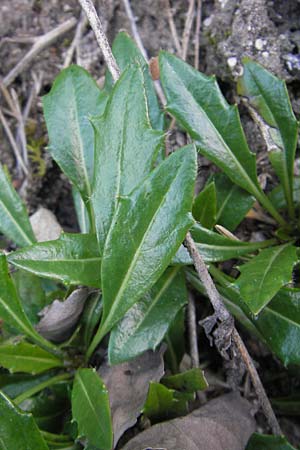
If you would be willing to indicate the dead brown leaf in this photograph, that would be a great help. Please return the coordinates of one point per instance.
(223, 424)
(128, 385)
(59, 318)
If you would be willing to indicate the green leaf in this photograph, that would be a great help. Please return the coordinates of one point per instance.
(162, 403)
(73, 98)
(126, 147)
(197, 103)
(126, 52)
(81, 211)
(31, 293)
(90, 409)
(73, 259)
(215, 247)
(14, 385)
(277, 195)
(263, 276)
(25, 357)
(18, 430)
(192, 380)
(144, 326)
(279, 323)
(91, 317)
(267, 442)
(269, 101)
(175, 340)
(11, 310)
(205, 205)
(14, 221)
(233, 203)
(287, 406)
(147, 230)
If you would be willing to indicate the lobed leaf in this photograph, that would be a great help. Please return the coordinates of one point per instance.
(126, 147)
(14, 221)
(73, 259)
(205, 206)
(192, 380)
(269, 101)
(147, 230)
(263, 276)
(28, 358)
(90, 409)
(73, 98)
(145, 324)
(18, 430)
(162, 403)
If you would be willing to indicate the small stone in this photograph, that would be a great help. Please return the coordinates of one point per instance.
(232, 61)
(45, 225)
(266, 54)
(207, 22)
(259, 44)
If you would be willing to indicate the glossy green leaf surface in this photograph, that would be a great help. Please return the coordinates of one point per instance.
(31, 293)
(74, 97)
(18, 430)
(269, 97)
(205, 206)
(14, 221)
(233, 203)
(16, 384)
(73, 259)
(279, 323)
(199, 106)
(162, 403)
(215, 247)
(126, 147)
(144, 326)
(11, 311)
(190, 381)
(91, 410)
(263, 276)
(126, 52)
(147, 230)
(81, 211)
(25, 357)
(267, 442)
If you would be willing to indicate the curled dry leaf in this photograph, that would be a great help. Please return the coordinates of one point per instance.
(224, 423)
(45, 225)
(128, 384)
(59, 318)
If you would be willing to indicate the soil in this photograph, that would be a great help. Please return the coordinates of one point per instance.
(266, 30)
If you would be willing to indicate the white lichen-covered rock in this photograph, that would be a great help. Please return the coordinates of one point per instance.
(45, 225)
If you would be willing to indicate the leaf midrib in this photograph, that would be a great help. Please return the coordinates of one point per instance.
(16, 223)
(137, 254)
(254, 189)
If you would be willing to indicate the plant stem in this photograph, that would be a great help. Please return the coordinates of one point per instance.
(63, 438)
(222, 315)
(263, 199)
(35, 389)
(91, 215)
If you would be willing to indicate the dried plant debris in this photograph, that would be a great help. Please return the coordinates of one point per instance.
(128, 385)
(224, 423)
(59, 318)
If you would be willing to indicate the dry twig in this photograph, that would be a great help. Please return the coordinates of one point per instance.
(96, 24)
(222, 316)
(187, 29)
(78, 33)
(41, 42)
(18, 156)
(197, 33)
(193, 338)
(173, 27)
